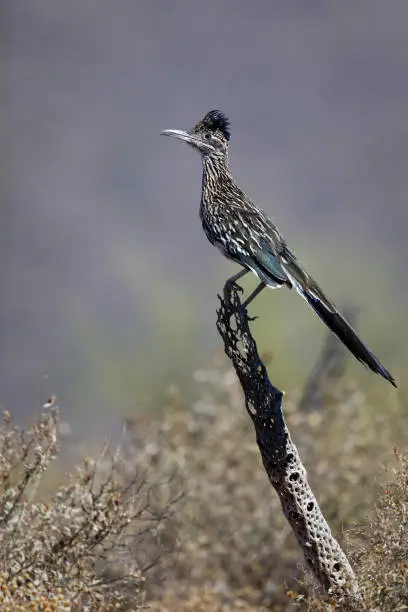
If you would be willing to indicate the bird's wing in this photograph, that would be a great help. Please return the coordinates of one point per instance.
(264, 243)
(269, 264)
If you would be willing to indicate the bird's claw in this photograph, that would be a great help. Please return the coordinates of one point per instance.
(228, 290)
(237, 287)
(249, 318)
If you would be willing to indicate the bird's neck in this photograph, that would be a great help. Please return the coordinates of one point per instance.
(215, 170)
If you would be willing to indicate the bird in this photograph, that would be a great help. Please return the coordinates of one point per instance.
(247, 236)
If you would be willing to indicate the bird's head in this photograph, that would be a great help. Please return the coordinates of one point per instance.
(209, 136)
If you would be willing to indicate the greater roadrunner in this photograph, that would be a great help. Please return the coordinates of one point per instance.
(246, 235)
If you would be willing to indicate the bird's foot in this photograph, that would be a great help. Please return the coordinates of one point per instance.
(244, 307)
(228, 287)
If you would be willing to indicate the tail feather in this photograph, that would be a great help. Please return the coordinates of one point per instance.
(339, 326)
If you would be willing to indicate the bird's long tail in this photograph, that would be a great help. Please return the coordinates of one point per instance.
(329, 314)
(347, 335)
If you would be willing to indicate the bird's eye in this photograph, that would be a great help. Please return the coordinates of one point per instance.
(207, 136)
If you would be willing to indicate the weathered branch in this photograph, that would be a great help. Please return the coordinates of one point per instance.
(281, 458)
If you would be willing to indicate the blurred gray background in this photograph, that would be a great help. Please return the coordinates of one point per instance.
(108, 286)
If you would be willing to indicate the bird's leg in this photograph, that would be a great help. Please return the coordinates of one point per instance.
(230, 282)
(253, 295)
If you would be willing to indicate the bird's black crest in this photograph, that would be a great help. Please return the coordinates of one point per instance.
(215, 120)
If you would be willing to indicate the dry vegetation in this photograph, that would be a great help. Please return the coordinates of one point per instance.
(182, 516)
(90, 545)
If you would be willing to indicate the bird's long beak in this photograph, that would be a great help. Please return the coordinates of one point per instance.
(181, 135)
(193, 140)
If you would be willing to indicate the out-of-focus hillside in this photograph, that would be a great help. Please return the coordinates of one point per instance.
(107, 284)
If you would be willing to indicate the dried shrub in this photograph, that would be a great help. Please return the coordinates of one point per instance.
(91, 544)
(381, 555)
(231, 534)
(119, 535)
